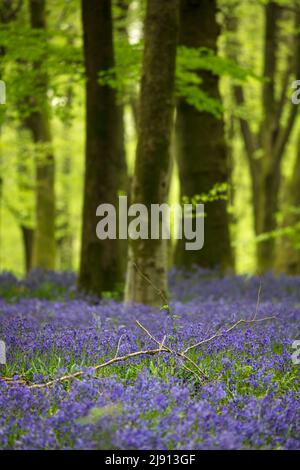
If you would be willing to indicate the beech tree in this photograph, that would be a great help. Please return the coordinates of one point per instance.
(147, 264)
(38, 122)
(266, 147)
(200, 143)
(288, 253)
(100, 260)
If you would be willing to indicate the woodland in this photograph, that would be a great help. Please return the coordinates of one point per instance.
(140, 343)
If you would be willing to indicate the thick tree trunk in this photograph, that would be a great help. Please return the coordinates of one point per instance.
(39, 124)
(201, 147)
(28, 237)
(147, 264)
(100, 263)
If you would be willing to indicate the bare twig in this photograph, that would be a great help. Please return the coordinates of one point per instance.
(149, 352)
(199, 370)
(151, 336)
(119, 344)
(257, 302)
(157, 290)
(162, 347)
(217, 335)
(179, 354)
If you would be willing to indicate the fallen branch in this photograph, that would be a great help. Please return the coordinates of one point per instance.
(162, 347)
(222, 333)
(150, 352)
(180, 354)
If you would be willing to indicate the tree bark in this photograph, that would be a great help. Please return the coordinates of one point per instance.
(28, 237)
(201, 148)
(39, 124)
(100, 263)
(147, 264)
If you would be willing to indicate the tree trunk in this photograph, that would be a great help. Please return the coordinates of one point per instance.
(100, 263)
(272, 137)
(28, 237)
(124, 183)
(269, 176)
(201, 146)
(65, 238)
(39, 124)
(147, 264)
(288, 260)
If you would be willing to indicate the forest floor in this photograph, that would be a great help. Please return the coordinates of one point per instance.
(238, 389)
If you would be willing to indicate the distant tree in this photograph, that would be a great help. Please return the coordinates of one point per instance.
(100, 259)
(9, 11)
(121, 30)
(200, 143)
(266, 147)
(288, 253)
(38, 122)
(65, 237)
(147, 265)
(122, 172)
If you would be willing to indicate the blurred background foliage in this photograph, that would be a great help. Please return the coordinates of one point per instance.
(59, 51)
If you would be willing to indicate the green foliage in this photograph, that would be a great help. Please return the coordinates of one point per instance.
(125, 76)
(218, 192)
(59, 58)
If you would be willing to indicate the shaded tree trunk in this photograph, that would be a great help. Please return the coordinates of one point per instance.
(38, 122)
(28, 237)
(201, 147)
(100, 259)
(147, 264)
(26, 194)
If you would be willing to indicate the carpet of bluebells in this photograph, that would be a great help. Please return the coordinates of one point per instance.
(250, 399)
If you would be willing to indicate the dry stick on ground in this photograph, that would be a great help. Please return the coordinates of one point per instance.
(217, 335)
(257, 302)
(119, 344)
(177, 353)
(152, 352)
(149, 352)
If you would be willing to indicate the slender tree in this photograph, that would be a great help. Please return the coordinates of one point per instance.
(122, 172)
(38, 122)
(271, 140)
(65, 240)
(147, 265)
(200, 143)
(100, 260)
(9, 12)
(288, 256)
